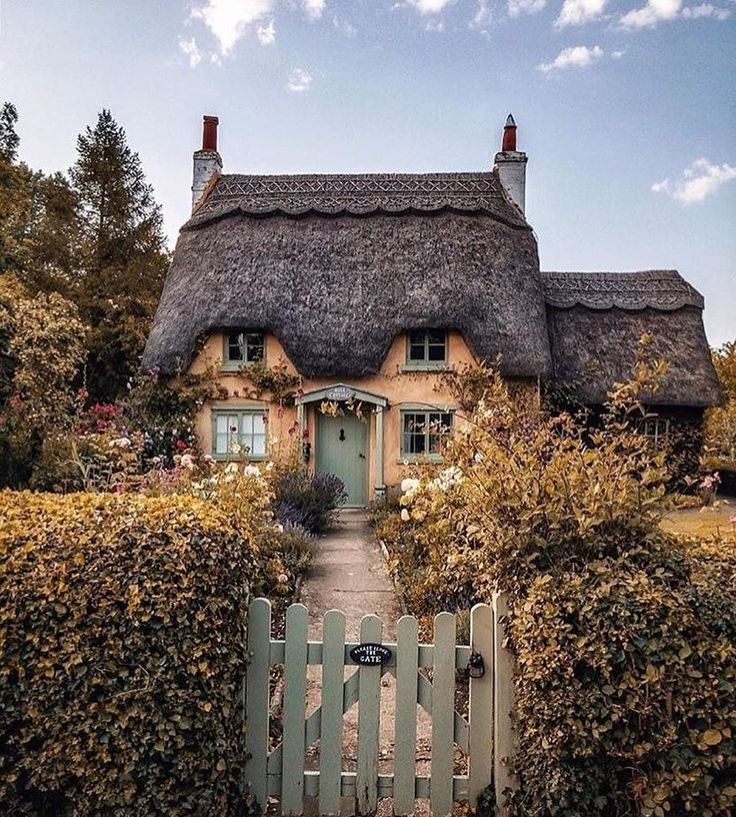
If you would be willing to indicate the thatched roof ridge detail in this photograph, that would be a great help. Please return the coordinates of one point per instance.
(357, 194)
(595, 321)
(659, 289)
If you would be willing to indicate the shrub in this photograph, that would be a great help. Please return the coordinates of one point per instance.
(122, 624)
(307, 500)
(624, 636)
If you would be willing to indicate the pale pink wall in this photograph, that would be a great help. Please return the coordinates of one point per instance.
(399, 388)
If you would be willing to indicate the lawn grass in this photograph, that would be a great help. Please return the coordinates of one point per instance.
(708, 521)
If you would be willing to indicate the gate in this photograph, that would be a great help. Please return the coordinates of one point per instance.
(425, 674)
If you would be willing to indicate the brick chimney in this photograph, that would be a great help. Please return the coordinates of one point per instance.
(511, 165)
(207, 161)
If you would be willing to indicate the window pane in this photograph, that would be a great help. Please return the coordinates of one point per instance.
(221, 422)
(416, 352)
(246, 424)
(437, 353)
(416, 337)
(221, 444)
(259, 424)
(235, 346)
(258, 448)
(254, 342)
(436, 336)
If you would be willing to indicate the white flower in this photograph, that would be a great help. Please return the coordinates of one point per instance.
(405, 515)
(409, 485)
(269, 466)
(231, 468)
(282, 578)
(478, 457)
(251, 471)
(279, 528)
(236, 448)
(121, 442)
(187, 461)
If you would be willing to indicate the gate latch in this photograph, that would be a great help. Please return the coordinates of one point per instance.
(476, 665)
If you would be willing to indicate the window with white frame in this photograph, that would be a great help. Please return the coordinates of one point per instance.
(423, 433)
(243, 348)
(238, 433)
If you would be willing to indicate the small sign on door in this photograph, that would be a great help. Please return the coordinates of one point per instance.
(370, 655)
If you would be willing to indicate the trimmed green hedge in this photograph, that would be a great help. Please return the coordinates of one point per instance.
(122, 653)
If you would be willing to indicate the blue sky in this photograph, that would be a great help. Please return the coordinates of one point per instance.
(627, 108)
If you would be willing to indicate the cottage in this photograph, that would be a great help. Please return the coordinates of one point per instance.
(366, 288)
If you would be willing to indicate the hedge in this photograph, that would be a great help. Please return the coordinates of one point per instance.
(122, 627)
(626, 685)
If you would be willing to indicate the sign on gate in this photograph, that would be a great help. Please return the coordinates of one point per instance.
(279, 771)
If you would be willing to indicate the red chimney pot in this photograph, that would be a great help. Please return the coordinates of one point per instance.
(509, 135)
(209, 133)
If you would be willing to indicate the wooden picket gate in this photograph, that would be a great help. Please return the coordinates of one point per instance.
(279, 771)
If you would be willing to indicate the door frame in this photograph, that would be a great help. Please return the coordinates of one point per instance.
(342, 393)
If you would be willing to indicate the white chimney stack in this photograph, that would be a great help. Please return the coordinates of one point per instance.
(511, 165)
(207, 161)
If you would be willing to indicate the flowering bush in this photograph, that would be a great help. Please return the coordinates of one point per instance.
(308, 500)
(624, 637)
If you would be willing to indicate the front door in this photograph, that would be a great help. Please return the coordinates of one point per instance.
(341, 450)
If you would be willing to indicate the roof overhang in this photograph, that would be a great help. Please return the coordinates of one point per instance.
(341, 393)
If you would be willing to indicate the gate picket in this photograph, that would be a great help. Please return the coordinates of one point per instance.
(295, 682)
(257, 699)
(369, 714)
(333, 673)
(486, 736)
(405, 717)
(480, 705)
(443, 715)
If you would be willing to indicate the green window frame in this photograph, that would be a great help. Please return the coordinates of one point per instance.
(657, 429)
(242, 348)
(424, 433)
(426, 349)
(239, 433)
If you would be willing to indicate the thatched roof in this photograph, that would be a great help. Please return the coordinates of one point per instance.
(595, 321)
(337, 266)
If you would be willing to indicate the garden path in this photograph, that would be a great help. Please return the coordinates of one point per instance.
(349, 573)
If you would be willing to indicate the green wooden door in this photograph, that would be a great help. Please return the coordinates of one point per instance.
(341, 450)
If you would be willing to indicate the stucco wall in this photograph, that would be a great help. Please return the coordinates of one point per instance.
(400, 388)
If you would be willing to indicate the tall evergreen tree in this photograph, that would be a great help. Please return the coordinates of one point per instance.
(123, 254)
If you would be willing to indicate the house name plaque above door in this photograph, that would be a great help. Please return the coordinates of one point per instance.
(370, 655)
(340, 393)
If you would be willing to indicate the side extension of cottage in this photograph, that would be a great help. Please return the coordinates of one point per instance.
(370, 286)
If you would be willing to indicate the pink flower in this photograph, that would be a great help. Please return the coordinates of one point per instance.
(181, 445)
(15, 401)
(305, 434)
(119, 488)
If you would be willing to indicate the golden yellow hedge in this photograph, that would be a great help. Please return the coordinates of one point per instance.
(122, 626)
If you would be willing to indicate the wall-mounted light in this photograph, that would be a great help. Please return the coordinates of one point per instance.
(306, 451)
(476, 665)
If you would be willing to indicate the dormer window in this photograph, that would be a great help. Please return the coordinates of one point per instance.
(426, 349)
(243, 349)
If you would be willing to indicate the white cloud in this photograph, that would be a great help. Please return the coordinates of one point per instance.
(697, 182)
(314, 8)
(578, 56)
(482, 18)
(434, 25)
(299, 80)
(266, 34)
(519, 7)
(430, 6)
(344, 26)
(228, 20)
(616, 55)
(648, 16)
(577, 12)
(705, 10)
(191, 50)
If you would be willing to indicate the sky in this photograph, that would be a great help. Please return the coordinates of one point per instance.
(626, 108)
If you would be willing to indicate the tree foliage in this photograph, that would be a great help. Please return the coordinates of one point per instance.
(95, 236)
(721, 421)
